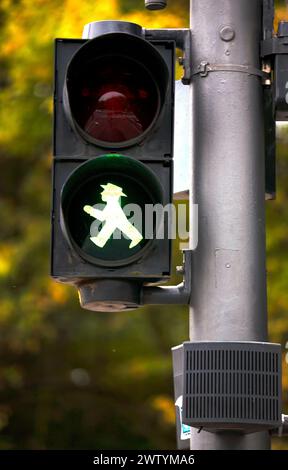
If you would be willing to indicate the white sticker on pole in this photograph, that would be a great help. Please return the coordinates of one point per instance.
(185, 429)
(182, 141)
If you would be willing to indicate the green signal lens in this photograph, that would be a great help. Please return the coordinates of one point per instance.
(103, 205)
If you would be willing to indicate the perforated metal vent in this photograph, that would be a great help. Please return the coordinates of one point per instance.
(232, 385)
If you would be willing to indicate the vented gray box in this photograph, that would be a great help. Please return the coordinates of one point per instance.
(230, 385)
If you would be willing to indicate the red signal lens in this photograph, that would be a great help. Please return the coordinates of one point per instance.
(114, 99)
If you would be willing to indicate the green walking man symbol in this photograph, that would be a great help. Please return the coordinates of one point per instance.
(113, 216)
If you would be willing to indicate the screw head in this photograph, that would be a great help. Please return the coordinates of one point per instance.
(227, 33)
(180, 269)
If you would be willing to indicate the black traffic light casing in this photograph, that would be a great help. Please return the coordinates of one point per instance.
(151, 152)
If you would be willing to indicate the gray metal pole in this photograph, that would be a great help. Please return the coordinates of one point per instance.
(228, 281)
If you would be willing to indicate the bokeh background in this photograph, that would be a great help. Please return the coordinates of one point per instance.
(70, 378)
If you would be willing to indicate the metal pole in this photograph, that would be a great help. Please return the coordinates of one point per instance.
(228, 280)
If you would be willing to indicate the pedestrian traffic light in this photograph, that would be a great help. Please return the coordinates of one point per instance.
(112, 172)
(114, 182)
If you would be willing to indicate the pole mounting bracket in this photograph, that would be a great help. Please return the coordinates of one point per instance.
(182, 39)
(171, 295)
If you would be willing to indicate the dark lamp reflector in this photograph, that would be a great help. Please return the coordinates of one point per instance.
(114, 99)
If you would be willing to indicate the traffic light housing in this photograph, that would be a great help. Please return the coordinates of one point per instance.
(113, 149)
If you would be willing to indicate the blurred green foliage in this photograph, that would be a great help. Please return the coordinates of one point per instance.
(71, 378)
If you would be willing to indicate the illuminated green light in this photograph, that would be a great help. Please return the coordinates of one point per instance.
(123, 182)
(113, 216)
(113, 155)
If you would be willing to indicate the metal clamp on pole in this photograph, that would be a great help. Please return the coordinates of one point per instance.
(172, 295)
(205, 67)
